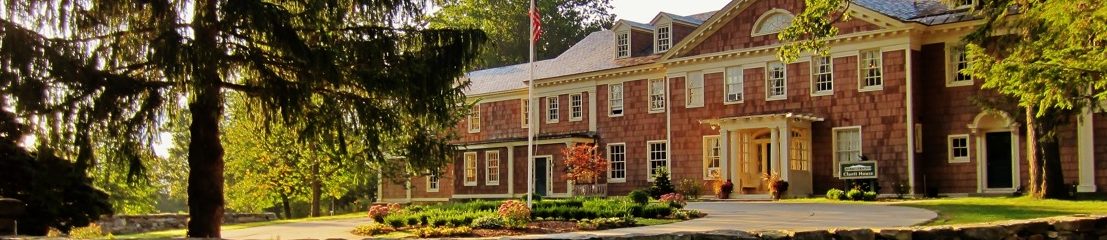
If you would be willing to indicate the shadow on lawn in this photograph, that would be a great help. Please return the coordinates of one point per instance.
(952, 213)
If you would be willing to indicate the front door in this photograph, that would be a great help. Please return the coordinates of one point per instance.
(998, 164)
(755, 163)
(541, 175)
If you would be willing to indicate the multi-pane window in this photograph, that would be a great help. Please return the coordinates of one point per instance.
(524, 109)
(871, 70)
(617, 167)
(552, 114)
(474, 119)
(958, 62)
(470, 173)
(615, 99)
(821, 75)
(576, 108)
(962, 4)
(694, 90)
(776, 81)
(847, 146)
(711, 152)
(664, 38)
(734, 85)
(492, 168)
(622, 44)
(959, 148)
(657, 95)
(658, 156)
(800, 155)
(432, 182)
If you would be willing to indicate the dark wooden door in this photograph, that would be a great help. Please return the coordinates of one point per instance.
(540, 175)
(998, 163)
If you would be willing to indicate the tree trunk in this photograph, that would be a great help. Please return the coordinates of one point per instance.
(286, 205)
(205, 152)
(316, 190)
(1053, 181)
(1032, 154)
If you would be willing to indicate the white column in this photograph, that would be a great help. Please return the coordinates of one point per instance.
(785, 148)
(1085, 151)
(724, 154)
(774, 155)
(511, 171)
(407, 185)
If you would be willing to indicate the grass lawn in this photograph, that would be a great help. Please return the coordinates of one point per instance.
(178, 233)
(987, 209)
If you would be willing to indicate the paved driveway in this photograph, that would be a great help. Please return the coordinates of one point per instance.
(721, 216)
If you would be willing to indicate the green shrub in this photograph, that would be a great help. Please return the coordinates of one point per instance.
(835, 194)
(440, 222)
(855, 194)
(690, 188)
(639, 196)
(412, 220)
(92, 231)
(870, 196)
(606, 223)
(488, 223)
(371, 229)
(656, 210)
(437, 232)
(395, 220)
(661, 183)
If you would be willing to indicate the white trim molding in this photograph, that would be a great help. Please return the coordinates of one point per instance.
(1085, 148)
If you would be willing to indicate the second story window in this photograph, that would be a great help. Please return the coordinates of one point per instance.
(615, 99)
(694, 90)
(734, 85)
(524, 109)
(872, 76)
(657, 95)
(474, 119)
(822, 78)
(664, 38)
(552, 115)
(622, 44)
(576, 107)
(958, 62)
(776, 82)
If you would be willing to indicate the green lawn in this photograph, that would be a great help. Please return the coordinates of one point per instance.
(987, 209)
(178, 233)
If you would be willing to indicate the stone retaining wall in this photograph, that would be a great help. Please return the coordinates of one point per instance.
(1062, 228)
(124, 224)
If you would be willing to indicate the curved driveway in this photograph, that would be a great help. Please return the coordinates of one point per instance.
(746, 216)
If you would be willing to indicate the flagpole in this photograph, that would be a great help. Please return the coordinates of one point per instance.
(530, 111)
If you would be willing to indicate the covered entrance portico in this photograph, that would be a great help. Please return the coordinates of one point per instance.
(755, 146)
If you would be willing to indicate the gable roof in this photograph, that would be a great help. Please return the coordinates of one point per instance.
(928, 12)
(632, 24)
(677, 18)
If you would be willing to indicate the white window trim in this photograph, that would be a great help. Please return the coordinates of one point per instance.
(629, 43)
(834, 145)
(860, 74)
(814, 77)
(556, 117)
(951, 68)
(705, 156)
(949, 148)
(768, 86)
(764, 16)
(622, 100)
(524, 112)
(668, 163)
(649, 95)
(688, 101)
(437, 184)
(572, 110)
(610, 178)
(726, 86)
(657, 37)
(470, 121)
(465, 169)
(966, 6)
(488, 168)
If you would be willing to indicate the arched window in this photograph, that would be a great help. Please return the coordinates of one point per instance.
(772, 22)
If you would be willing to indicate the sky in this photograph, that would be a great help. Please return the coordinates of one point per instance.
(644, 10)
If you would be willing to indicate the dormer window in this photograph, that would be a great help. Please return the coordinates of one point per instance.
(963, 4)
(772, 22)
(622, 44)
(664, 37)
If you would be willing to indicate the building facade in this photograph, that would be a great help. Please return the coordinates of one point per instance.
(706, 97)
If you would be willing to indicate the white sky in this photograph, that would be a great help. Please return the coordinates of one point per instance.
(644, 10)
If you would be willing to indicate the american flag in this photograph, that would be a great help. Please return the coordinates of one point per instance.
(535, 23)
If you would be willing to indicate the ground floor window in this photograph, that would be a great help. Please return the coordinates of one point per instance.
(958, 148)
(470, 169)
(658, 156)
(617, 157)
(711, 152)
(492, 171)
(800, 156)
(432, 182)
(847, 145)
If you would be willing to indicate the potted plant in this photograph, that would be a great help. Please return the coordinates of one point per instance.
(777, 187)
(723, 189)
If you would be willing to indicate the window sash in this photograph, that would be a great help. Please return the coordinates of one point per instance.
(694, 94)
(657, 95)
(432, 182)
(871, 69)
(552, 109)
(657, 157)
(823, 75)
(474, 119)
(711, 158)
(734, 85)
(959, 60)
(959, 148)
(615, 101)
(492, 168)
(616, 155)
(575, 106)
(623, 44)
(663, 40)
(470, 169)
(524, 110)
(777, 80)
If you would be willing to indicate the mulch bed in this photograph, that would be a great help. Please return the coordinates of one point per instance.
(538, 227)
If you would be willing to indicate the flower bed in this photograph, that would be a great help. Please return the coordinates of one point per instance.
(513, 217)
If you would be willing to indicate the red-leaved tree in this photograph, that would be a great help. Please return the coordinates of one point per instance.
(585, 165)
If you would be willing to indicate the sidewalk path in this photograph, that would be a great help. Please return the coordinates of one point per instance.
(744, 216)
